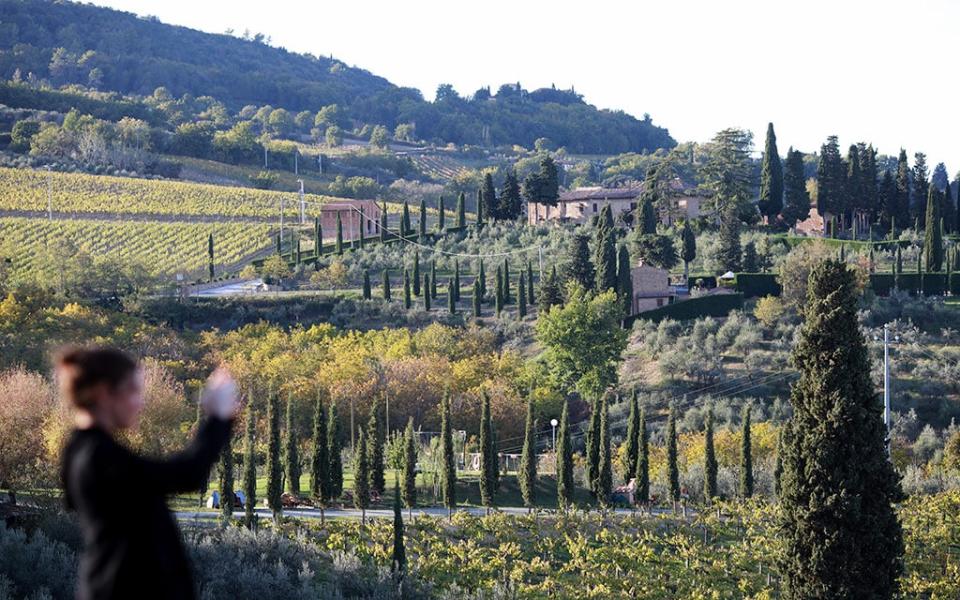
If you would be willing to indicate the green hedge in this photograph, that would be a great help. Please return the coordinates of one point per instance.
(933, 284)
(754, 285)
(715, 305)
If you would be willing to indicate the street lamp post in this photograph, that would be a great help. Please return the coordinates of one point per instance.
(554, 423)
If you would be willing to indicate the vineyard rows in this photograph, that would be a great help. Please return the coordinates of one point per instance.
(165, 248)
(437, 167)
(26, 190)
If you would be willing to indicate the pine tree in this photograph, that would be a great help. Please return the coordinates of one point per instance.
(643, 460)
(933, 236)
(274, 466)
(746, 456)
(339, 242)
(361, 477)
(837, 484)
(688, 248)
(633, 438)
(441, 215)
(375, 445)
(415, 276)
(550, 292)
(422, 222)
(409, 471)
(605, 259)
(226, 480)
(673, 469)
(771, 179)
(528, 460)
(486, 443)
(477, 298)
(320, 461)
(386, 285)
(593, 448)
(426, 292)
(604, 486)
(796, 206)
(291, 457)
(709, 460)
(250, 465)
(334, 458)
(488, 198)
(461, 216)
(729, 253)
(531, 299)
(405, 228)
(366, 284)
(564, 458)
(579, 268)
(522, 296)
(449, 480)
(398, 562)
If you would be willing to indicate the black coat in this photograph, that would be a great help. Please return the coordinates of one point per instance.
(132, 546)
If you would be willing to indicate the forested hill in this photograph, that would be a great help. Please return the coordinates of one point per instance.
(67, 43)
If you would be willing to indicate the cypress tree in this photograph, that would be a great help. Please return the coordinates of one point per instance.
(334, 458)
(415, 276)
(778, 465)
(796, 205)
(933, 235)
(579, 268)
(361, 477)
(729, 253)
(362, 220)
(456, 280)
(398, 562)
(605, 277)
(480, 209)
(831, 180)
(837, 485)
(451, 297)
(498, 297)
(339, 242)
(486, 444)
(433, 279)
(673, 469)
(921, 186)
(746, 456)
(226, 480)
(522, 296)
(902, 214)
(210, 256)
(624, 280)
(317, 238)
(688, 248)
(449, 479)
(564, 458)
(407, 301)
(320, 461)
(531, 300)
(461, 218)
(709, 460)
(405, 228)
(441, 215)
(633, 436)
(506, 282)
(483, 281)
(605, 472)
(250, 465)
(771, 179)
(643, 460)
(426, 292)
(409, 471)
(384, 227)
(476, 298)
(366, 284)
(509, 204)
(550, 293)
(274, 467)
(528, 460)
(291, 456)
(488, 199)
(422, 222)
(646, 215)
(593, 448)
(375, 443)
(386, 285)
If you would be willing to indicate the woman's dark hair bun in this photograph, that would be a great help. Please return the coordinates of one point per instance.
(82, 368)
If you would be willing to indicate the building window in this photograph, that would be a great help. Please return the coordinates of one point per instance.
(369, 225)
(594, 207)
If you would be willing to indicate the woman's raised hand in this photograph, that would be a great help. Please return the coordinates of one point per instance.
(219, 398)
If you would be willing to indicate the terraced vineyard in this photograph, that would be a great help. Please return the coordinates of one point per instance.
(438, 167)
(166, 248)
(77, 194)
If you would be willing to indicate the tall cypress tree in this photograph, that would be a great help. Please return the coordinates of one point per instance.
(869, 174)
(643, 460)
(250, 465)
(646, 211)
(291, 456)
(933, 235)
(605, 472)
(498, 296)
(550, 292)
(481, 210)
(605, 260)
(477, 298)
(688, 247)
(673, 468)
(528, 460)
(522, 296)
(405, 228)
(320, 461)
(921, 187)
(398, 562)
(482, 278)
(415, 275)
(449, 478)
(361, 477)
(317, 238)
(488, 199)
(210, 270)
(226, 480)
(375, 443)
(633, 438)
(409, 470)
(486, 443)
(903, 189)
(579, 268)
(334, 458)
(456, 280)
(531, 298)
(339, 241)
(433, 279)
(426, 292)
(441, 215)
(746, 456)
(771, 178)
(366, 285)
(461, 216)
(564, 458)
(796, 206)
(422, 222)
(887, 200)
(837, 484)
(709, 460)
(624, 280)
(506, 282)
(509, 204)
(407, 301)
(274, 466)
(593, 447)
(386, 285)
(831, 180)
(451, 297)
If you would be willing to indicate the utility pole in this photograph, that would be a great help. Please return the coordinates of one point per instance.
(303, 206)
(886, 383)
(296, 162)
(264, 156)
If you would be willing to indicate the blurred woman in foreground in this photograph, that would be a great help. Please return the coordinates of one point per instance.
(132, 547)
